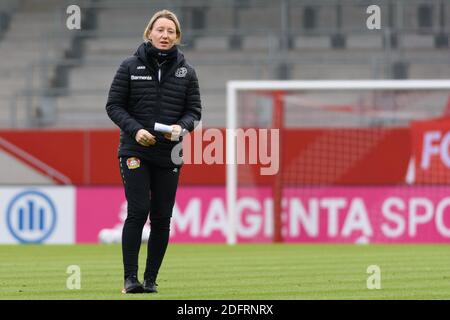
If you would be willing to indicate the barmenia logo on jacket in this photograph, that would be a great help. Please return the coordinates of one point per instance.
(133, 77)
(181, 72)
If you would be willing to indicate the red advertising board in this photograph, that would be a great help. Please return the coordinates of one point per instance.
(431, 151)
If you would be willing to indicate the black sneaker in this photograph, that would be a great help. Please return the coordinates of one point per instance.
(132, 285)
(150, 286)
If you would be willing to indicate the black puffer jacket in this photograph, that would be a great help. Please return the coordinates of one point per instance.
(137, 100)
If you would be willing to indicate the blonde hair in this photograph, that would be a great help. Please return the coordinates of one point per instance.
(162, 14)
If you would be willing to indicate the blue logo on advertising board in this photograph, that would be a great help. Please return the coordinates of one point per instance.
(31, 217)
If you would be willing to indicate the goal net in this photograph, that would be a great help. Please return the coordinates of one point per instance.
(310, 160)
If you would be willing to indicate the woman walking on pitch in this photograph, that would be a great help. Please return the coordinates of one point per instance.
(155, 85)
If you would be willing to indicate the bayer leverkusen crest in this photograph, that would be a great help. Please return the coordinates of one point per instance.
(133, 163)
(181, 72)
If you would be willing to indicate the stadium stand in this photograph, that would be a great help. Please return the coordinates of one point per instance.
(29, 49)
(55, 77)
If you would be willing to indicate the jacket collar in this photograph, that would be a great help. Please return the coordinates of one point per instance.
(141, 53)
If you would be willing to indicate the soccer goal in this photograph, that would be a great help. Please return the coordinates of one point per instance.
(325, 135)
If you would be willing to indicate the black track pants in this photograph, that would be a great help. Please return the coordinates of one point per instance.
(150, 190)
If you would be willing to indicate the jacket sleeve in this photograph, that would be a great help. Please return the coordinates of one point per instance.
(193, 108)
(117, 103)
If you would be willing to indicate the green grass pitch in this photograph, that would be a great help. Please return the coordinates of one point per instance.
(247, 271)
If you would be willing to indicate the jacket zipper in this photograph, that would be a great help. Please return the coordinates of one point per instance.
(158, 96)
(158, 91)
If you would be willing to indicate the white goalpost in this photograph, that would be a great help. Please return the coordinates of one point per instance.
(302, 105)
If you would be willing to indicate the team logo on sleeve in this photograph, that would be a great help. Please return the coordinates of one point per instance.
(133, 163)
(181, 72)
